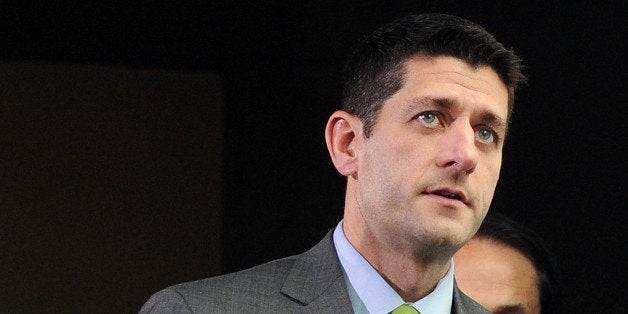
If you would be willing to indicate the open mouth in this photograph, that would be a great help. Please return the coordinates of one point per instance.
(448, 195)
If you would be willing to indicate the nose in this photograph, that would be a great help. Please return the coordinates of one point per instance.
(458, 150)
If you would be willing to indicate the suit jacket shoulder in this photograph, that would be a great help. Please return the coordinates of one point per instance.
(462, 304)
(311, 282)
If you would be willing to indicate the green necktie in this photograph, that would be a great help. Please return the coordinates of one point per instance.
(405, 309)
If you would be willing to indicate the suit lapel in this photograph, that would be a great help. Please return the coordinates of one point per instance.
(462, 304)
(316, 279)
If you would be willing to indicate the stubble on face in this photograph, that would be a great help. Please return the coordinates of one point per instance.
(397, 165)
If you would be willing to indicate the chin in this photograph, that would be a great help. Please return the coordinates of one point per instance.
(439, 236)
(449, 236)
(438, 248)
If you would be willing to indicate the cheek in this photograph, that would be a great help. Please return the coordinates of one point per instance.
(485, 183)
(385, 169)
(490, 174)
(391, 155)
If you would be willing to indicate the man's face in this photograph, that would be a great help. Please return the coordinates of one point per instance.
(497, 276)
(428, 171)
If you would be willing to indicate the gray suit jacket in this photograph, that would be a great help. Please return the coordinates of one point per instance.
(311, 282)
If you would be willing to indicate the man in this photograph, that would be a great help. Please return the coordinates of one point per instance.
(419, 138)
(507, 268)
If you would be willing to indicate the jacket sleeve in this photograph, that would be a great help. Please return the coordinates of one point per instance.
(166, 301)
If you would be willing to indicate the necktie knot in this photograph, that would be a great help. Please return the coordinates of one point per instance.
(405, 309)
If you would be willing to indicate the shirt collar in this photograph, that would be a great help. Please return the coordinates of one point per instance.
(374, 293)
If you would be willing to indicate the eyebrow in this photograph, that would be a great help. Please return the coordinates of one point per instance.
(486, 117)
(443, 103)
(494, 121)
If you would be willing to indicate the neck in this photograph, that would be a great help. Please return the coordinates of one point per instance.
(412, 272)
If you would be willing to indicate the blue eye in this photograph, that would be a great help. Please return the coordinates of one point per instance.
(428, 117)
(485, 135)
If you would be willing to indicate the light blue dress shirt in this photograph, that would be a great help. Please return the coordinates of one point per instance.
(370, 293)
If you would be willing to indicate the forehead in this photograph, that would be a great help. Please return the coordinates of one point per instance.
(508, 264)
(495, 274)
(453, 79)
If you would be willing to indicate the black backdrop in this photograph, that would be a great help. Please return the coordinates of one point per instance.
(279, 64)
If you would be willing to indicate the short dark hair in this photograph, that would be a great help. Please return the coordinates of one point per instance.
(506, 231)
(375, 69)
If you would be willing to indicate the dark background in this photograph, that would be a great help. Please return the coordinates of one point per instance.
(279, 65)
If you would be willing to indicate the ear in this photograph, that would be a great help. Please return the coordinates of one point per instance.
(341, 133)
